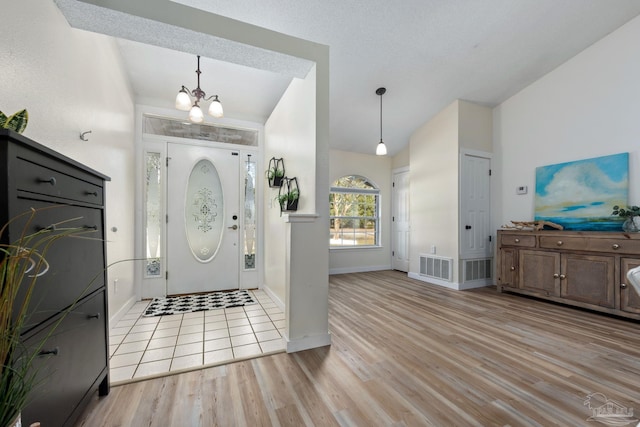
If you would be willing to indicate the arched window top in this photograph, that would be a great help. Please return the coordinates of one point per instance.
(354, 181)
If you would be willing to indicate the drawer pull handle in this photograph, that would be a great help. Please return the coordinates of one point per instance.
(560, 243)
(91, 193)
(94, 316)
(91, 227)
(562, 277)
(513, 269)
(555, 276)
(53, 351)
(615, 246)
(623, 285)
(51, 180)
(517, 240)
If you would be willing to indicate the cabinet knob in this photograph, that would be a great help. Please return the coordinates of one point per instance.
(517, 240)
(91, 193)
(562, 277)
(51, 180)
(555, 276)
(560, 243)
(615, 246)
(90, 227)
(93, 316)
(623, 285)
(513, 268)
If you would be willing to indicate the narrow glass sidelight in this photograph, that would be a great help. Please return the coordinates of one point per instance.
(250, 214)
(204, 211)
(153, 207)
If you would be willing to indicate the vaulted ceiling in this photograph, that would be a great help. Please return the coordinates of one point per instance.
(427, 53)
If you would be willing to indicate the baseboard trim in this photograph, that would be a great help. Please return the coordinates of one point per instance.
(113, 320)
(451, 285)
(307, 343)
(273, 297)
(359, 269)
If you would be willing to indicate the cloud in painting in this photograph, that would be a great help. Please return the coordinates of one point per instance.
(580, 189)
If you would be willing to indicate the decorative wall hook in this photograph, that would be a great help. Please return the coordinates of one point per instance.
(82, 135)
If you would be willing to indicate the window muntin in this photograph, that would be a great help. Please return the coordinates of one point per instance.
(354, 209)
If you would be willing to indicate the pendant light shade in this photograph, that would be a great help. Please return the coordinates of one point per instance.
(381, 149)
(184, 103)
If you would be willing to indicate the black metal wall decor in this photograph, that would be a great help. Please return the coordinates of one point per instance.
(275, 173)
(289, 194)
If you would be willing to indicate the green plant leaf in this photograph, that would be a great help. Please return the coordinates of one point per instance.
(3, 119)
(17, 121)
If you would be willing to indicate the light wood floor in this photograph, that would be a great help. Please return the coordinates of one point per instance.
(408, 353)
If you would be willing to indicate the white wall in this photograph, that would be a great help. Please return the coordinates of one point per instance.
(588, 107)
(290, 135)
(401, 159)
(72, 81)
(378, 170)
(433, 188)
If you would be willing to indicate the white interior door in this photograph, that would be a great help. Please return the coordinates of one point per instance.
(203, 219)
(475, 203)
(400, 222)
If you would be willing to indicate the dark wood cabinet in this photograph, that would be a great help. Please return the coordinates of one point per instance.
(586, 269)
(68, 309)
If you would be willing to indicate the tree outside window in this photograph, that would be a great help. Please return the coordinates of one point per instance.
(354, 209)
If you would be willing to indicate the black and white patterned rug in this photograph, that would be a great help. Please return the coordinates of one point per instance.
(198, 302)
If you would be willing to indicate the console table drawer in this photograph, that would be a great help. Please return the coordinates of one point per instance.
(614, 245)
(520, 240)
(39, 179)
(564, 242)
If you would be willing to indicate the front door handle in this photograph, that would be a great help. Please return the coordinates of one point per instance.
(233, 227)
(467, 227)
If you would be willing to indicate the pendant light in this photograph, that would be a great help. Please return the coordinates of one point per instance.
(183, 101)
(381, 149)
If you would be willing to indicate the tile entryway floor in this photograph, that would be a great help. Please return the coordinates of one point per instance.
(145, 347)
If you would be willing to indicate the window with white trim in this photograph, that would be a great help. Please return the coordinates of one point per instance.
(354, 209)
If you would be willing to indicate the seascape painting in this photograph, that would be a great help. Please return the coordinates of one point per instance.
(580, 195)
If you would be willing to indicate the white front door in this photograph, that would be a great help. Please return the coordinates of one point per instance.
(203, 219)
(475, 203)
(400, 222)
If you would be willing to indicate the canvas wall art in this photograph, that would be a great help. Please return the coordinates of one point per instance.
(580, 195)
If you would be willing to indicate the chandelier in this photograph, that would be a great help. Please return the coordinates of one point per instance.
(183, 101)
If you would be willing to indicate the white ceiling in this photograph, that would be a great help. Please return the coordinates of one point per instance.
(427, 53)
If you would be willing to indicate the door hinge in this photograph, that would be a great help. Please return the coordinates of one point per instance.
(166, 219)
(233, 153)
(166, 275)
(167, 161)
(393, 253)
(393, 184)
(489, 172)
(393, 218)
(490, 238)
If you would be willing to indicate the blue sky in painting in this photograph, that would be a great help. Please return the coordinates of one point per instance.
(585, 188)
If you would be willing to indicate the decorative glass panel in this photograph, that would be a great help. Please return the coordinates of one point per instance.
(153, 205)
(206, 132)
(204, 211)
(250, 214)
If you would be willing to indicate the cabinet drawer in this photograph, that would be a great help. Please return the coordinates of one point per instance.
(74, 264)
(564, 242)
(38, 179)
(615, 245)
(521, 240)
(76, 357)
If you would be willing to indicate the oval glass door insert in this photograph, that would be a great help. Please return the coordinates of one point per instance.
(204, 211)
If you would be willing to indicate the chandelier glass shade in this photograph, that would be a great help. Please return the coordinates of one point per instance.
(381, 149)
(184, 101)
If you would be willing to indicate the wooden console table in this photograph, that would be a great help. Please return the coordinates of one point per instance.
(580, 268)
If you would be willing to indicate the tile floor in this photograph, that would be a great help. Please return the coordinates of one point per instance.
(143, 347)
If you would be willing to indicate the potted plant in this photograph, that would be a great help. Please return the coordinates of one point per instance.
(288, 200)
(275, 172)
(21, 263)
(16, 122)
(631, 215)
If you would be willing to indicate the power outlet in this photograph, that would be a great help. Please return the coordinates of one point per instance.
(521, 189)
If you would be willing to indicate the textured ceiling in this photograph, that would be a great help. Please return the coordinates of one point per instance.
(427, 53)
